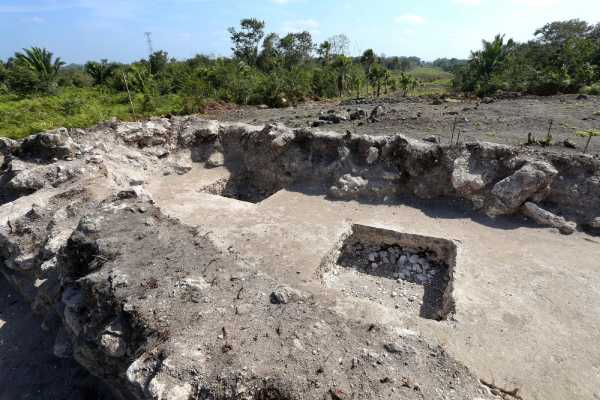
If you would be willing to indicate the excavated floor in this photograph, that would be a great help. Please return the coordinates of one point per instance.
(521, 302)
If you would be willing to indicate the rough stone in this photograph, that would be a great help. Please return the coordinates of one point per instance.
(511, 192)
(372, 155)
(545, 217)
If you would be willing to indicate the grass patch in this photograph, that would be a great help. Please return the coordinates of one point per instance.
(75, 108)
(430, 74)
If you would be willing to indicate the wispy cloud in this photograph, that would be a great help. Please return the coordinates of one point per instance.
(410, 19)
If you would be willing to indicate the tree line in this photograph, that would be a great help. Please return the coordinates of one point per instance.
(564, 57)
(264, 69)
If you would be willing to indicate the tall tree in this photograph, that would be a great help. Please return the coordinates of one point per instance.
(296, 48)
(368, 59)
(269, 56)
(324, 52)
(41, 62)
(246, 40)
(342, 64)
(377, 77)
(158, 61)
(560, 31)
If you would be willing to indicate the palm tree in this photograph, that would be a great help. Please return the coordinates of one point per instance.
(343, 65)
(325, 52)
(356, 79)
(368, 59)
(407, 83)
(40, 61)
(488, 60)
(100, 71)
(377, 77)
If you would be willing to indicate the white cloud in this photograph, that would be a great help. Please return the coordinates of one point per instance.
(410, 19)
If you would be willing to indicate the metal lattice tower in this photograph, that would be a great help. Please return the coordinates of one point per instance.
(149, 41)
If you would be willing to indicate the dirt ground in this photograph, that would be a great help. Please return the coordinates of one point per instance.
(524, 314)
(506, 121)
(28, 369)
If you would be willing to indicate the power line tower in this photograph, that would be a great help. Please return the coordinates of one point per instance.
(149, 41)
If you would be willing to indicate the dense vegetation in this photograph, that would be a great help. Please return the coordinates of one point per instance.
(564, 57)
(38, 92)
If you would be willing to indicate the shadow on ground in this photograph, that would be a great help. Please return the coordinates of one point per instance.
(28, 368)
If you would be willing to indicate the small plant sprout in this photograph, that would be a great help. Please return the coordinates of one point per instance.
(589, 135)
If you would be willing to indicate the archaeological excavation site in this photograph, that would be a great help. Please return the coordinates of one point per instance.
(188, 258)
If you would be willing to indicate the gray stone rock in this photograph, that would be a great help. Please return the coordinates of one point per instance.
(216, 159)
(511, 192)
(358, 114)
(286, 295)
(348, 186)
(372, 155)
(431, 139)
(547, 218)
(49, 145)
(335, 117)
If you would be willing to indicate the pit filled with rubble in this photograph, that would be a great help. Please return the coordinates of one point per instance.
(187, 258)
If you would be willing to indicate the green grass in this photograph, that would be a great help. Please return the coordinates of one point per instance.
(74, 108)
(430, 74)
(433, 81)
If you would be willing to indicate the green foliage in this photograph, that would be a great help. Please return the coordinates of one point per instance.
(246, 40)
(296, 48)
(377, 76)
(74, 76)
(593, 89)
(35, 70)
(101, 71)
(158, 62)
(74, 107)
(40, 61)
(407, 83)
(564, 58)
(368, 59)
(342, 65)
(430, 74)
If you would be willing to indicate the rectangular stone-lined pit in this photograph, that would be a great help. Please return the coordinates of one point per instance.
(387, 266)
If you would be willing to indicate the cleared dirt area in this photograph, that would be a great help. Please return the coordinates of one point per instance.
(506, 121)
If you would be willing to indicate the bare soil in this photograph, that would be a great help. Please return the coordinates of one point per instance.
(28, 369)
(505, 121)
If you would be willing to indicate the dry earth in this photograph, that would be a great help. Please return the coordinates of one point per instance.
(506, 121)
(190, 259)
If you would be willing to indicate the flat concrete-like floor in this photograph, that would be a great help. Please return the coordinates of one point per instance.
(527, 298)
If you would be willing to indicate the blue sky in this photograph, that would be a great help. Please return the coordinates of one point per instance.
(80, 30)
